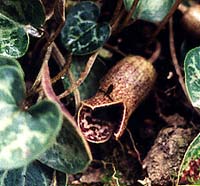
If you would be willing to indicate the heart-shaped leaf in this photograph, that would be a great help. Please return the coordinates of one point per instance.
(192, 75)
(13, 38)
(24, 134)
(69, 154)
(24, 12)
(189, 173)
(148, 10)
(81, 33)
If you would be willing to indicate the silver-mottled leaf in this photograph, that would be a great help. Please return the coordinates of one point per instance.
(13, 38)
(150, 10)
(31, 175)
(69, 154)
(81, 33)
(192, 75)
(24, 134)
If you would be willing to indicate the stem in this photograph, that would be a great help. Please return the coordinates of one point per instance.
(83, 76)
(66, 70)
(174, 58)
(116, 11)
(76, 92)
(49, 92)
(114, 49)
(156, 53)
(50, 40)
(130, 14)
(60, 12)
(117, 21)
(34, 88)
(134, 146)
(164, 21)
(57, 55)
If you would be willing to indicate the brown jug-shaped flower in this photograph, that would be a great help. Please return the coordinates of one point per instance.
(121, 90)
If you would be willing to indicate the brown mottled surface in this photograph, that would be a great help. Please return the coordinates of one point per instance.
(131, 80)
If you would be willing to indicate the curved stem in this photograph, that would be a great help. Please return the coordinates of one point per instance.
(164, 21)
(130, 13)
(156, 53)
(112, 48)
(174, 58)
(66, 70)
(117, 21)
(76, 92)
(116, 11)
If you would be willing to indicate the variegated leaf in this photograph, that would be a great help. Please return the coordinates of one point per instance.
(192, 75)
(69, 153)
(13, 38)
(81, 33)
(24, 133)
(31, 175)
(150, 10)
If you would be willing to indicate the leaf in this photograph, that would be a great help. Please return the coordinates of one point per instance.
(34, 174)
(31, 175)
(189, 173)
(24, 12)
(69, 154)
(81, 33)
(24, 134)
(148, 10)
(14, 40)
(192, 75)
(91, 84)
(10, 62)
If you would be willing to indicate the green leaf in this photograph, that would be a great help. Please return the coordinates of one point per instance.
(32, 175)
(24, 12)
(10, 62)
(81, 33)
(91, 84)
(192, 76)
(14, 40)
(69, 154)
(189, 173)
(24, 134)
(148, 10)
